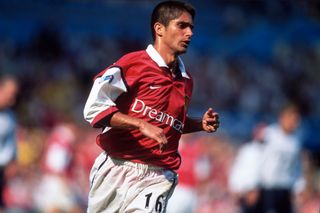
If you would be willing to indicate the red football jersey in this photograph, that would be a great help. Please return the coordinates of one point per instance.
(141, 85)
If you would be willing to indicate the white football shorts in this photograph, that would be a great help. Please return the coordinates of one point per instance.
(123, 186)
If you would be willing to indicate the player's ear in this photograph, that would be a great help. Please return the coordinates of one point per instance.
(158, 29)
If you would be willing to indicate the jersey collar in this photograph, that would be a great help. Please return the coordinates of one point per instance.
(156, 57)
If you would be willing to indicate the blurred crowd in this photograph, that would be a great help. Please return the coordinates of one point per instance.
(236, 68)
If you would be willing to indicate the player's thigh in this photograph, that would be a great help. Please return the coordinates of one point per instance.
(106, 184)
(154, 195)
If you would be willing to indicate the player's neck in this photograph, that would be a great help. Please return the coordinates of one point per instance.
(173, 67)
(168, 56)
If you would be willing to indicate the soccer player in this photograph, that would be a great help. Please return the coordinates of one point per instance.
(8, 93)
(281, 161)
(244, 178)
(141, 102)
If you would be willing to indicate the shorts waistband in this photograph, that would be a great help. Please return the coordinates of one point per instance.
(139, 166)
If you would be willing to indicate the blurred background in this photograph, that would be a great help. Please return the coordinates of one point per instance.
(247, 59)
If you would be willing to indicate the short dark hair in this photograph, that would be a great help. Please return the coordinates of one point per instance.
(7, 77)
(166, 11)
(289, 107)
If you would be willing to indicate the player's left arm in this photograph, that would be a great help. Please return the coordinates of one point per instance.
(209, 123)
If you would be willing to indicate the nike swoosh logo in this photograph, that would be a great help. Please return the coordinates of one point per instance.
(154, 87)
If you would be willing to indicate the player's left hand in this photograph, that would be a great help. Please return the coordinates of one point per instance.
(210, 121)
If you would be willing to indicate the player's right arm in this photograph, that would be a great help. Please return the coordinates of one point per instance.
(100, 105)
(101, 110)
(123, 121)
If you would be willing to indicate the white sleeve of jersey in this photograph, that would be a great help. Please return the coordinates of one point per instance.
(105, 90)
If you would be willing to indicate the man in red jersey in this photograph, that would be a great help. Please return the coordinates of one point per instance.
(141, 103)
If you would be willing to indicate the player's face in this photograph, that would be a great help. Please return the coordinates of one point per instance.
(8, 93)
(178, 33)
(290, 121)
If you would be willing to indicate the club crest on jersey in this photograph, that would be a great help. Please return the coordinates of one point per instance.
(107, 78)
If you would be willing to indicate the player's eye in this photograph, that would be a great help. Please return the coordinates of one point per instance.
(183, 25)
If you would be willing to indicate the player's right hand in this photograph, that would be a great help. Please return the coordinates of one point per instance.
(154, 133)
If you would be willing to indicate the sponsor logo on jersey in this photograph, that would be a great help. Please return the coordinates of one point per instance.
(140, 107)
